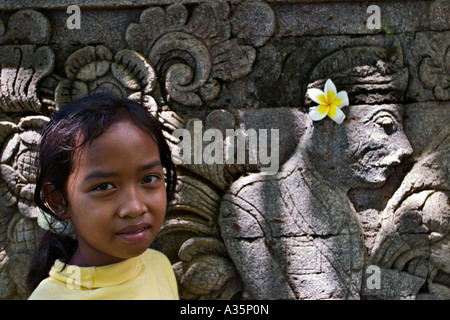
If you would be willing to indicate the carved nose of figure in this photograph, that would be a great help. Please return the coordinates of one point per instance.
(132, 204)
(404, 150)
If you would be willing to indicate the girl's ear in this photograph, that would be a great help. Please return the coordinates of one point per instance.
(55, 200)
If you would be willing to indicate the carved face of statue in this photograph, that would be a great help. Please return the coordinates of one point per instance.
(364, 149)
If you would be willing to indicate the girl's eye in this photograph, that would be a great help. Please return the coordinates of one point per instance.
(104, 187)
(149, 179)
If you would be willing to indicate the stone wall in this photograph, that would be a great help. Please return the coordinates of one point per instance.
(358, 210)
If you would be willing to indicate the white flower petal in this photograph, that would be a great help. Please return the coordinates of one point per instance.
(336, 114)
(316, 95)
(330, 90)
(319, 112)
(341, 99)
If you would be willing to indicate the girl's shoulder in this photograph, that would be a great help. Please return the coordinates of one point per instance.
(51, 289)
(153, 258)
(159, 265)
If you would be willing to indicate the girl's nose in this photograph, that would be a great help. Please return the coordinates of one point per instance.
(132, 203)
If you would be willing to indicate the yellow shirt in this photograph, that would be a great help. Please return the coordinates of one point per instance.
(148, 276)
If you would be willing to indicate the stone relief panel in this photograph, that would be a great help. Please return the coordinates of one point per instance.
(304, 210)
(369, 193)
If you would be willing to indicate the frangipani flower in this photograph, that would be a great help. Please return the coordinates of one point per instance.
(330, 103)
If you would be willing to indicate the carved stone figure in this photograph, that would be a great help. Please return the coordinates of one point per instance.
(285, 232)
(296, 234)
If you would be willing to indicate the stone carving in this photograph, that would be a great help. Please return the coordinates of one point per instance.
(414, 234)
(369, 74)
(19, 144)
(288, 232)
(436, 18)
(24, 66)
(22, 69)
(431, 56)
(26, 26)
(93, 69)
(18, 230)
(192, 54)
(233, 232)
(434, 69)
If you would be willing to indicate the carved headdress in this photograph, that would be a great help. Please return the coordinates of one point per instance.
(369, 74)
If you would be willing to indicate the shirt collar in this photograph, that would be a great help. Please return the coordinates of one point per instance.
(96, 277)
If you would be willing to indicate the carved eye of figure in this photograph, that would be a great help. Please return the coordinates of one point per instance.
(386, 121)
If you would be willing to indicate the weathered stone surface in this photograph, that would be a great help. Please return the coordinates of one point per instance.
(354, 211)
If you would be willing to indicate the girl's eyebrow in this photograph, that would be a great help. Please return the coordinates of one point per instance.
(151, 165)
(99, 174)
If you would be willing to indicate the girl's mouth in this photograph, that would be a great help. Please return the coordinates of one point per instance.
(134, 233)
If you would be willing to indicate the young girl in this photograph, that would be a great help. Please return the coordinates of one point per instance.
(105, 170)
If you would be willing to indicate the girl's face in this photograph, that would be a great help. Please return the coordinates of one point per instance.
(117, 196)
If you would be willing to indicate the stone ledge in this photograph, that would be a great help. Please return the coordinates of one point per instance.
(61, 4)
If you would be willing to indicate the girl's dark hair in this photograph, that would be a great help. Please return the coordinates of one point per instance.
(72, 127)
